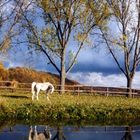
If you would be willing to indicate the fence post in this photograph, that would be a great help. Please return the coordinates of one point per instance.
(73, 90)
(14, 85)
(91, 90)
(107, 92)
(78, 90)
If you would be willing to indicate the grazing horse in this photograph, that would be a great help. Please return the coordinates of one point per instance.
(34, 135)
(36, 87)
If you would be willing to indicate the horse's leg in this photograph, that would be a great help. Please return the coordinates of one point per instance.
(37, 93)
(48, 98)
(33, 95)
(33, 90)
(30, 133)
(35, 133)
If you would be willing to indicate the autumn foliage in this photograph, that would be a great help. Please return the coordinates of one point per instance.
(26, 75)
(4, 74)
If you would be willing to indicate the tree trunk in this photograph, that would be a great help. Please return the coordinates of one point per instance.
(129, 87)
(63, 73)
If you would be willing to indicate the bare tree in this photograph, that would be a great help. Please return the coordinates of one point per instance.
(122, 39)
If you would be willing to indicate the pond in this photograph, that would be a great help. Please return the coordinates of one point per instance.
(69, 132)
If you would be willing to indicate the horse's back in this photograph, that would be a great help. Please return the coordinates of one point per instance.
(48, 83)
(48, 87)
(43, 86)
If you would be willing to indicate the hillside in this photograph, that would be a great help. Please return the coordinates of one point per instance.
(26, 75)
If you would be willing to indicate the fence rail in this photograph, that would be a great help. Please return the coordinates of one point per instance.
(73, 89)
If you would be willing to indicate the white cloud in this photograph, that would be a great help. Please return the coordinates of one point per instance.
(98, 79)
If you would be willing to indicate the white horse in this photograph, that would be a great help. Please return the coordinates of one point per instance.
(36, 87)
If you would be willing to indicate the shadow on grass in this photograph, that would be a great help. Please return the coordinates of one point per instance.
(15, 96)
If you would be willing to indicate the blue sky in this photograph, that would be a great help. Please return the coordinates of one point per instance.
(94, 66)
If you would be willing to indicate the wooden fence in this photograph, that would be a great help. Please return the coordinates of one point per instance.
(72, 89)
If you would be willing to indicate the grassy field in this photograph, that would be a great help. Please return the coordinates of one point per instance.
(68, 107)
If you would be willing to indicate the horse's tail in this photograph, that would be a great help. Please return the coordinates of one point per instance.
(33, 87)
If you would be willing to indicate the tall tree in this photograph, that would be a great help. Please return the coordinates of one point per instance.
(67, 26)
(122, 39)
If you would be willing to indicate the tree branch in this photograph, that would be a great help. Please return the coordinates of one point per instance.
(112, 53)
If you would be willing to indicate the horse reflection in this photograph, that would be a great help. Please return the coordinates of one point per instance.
(34, 135)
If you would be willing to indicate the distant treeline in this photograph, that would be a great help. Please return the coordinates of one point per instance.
(26, 75)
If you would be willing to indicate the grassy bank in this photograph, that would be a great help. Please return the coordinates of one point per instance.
(68, 107)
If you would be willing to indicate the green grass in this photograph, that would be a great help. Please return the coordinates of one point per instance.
(68, 107)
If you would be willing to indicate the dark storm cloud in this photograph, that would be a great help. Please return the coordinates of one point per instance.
(96, 67)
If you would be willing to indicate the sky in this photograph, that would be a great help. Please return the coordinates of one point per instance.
(94, 66)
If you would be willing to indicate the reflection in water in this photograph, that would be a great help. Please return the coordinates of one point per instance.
(34, 135)
(128, 134)
(46, 134)
(41, 132)
(59, 134)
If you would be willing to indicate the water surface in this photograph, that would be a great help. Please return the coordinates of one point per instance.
(22, 132)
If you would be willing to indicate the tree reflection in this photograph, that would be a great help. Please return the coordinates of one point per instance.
(128, 134)
(59, 135)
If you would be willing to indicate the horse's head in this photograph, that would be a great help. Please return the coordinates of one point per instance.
(50, 89)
